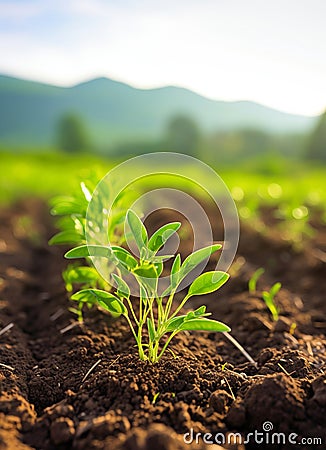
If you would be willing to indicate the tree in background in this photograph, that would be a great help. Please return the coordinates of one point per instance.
(183, 135)
(317, 142)
(71, 134)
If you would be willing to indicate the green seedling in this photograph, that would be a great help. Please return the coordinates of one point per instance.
(252, 284)
(155, 319)
(72, 211)
(268, 297)
(84, 277)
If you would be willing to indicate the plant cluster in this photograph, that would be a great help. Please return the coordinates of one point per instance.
(71, 212)
(154, 318)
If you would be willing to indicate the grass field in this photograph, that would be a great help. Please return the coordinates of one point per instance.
(47, 174)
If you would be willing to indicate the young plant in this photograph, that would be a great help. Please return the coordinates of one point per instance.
(84, 277)
(72, 211)
(268, 297)
(252, 284)
(155, 319)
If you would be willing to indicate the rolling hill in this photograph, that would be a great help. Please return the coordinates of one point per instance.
(115, 111)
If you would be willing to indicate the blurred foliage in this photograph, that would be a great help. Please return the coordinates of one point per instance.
(182, 135)
(260, 180)
(317, 142)
(71, 134)
(292, 189)
(45, 174)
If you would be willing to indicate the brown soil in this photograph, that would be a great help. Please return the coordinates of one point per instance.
(47, 401)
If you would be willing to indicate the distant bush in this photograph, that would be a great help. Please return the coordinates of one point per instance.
(183, 135)
(71, 134)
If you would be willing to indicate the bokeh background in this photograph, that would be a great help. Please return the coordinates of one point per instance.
(240, 85)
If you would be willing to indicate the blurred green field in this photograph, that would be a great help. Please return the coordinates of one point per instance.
(44, 174)
(47, 174)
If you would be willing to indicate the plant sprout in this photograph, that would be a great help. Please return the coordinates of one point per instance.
(268, 297)
(71, 211)
(252, 284)
(155, 319)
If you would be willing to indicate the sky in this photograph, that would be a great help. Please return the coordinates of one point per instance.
(271, 52)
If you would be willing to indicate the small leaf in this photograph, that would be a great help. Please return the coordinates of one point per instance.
(108, 301)
(190, 315)
(275, 288)
(200, 311)
(81, 274)
(174, 323)
(151, 329)
(122, 287)
(196, 258)
(84, 251)
(66, 237)
(62, 206)
(159, 238)
(124, 257)
(253, 280)
(269, 301)
(208, 282)
(84, 296)
(158, 267)
(174, 276)
(146, 271)
(176, 264)
(204, 325)
(137, 228)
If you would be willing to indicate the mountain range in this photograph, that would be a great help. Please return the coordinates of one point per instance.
(117, 112)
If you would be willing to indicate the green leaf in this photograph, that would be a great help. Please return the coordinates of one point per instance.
(253, 280)
(208, 282)
(175, 322)
(158, 267)
(159, 238)
(84, 251)
(200, 311)
(146, 271)
(176, 264)
(84, 296)
(151, 329)
(81, 274)
(175, 275)
(196, 258)
(62, 206)
(204, 325)
(124, 257)
(66, 237)
(271, 306)
(66, 223)
(137, 228)
(275, 288)
(108, 301)
(122, 287)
